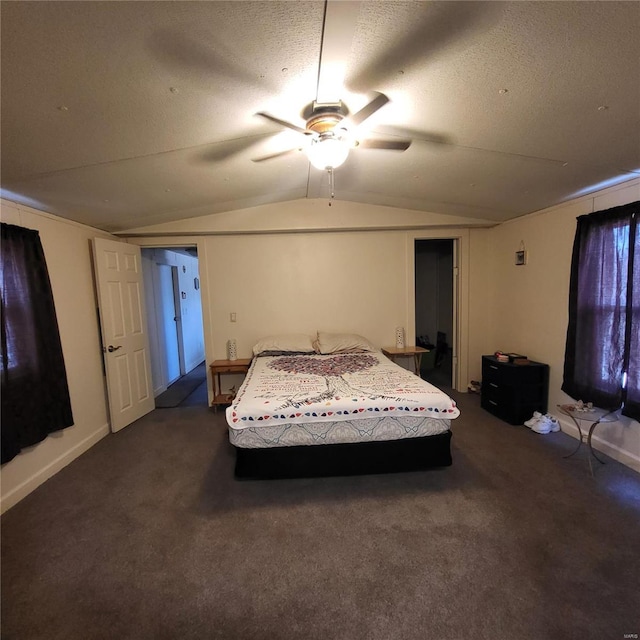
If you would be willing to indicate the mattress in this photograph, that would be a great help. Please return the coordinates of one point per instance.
(294, 400)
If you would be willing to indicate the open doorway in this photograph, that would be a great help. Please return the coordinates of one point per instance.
(435, 309)
(174, 319)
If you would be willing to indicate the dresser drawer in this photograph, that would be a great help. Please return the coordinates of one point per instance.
(494, 388)
(512, 392)
(491, 371)
(511, 412)
(507, 373)
(502, 394)
(495, 407)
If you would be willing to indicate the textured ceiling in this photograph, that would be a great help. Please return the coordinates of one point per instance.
(122, 114)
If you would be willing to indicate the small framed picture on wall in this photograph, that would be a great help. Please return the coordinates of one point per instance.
(521, 257)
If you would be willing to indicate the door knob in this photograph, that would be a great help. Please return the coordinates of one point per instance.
(111, 348)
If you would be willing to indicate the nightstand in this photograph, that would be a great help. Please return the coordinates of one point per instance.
(219, 367)
(399, 352)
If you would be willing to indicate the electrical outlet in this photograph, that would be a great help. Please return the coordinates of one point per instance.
(232, 316)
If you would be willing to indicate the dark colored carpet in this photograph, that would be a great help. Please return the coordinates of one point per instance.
(148, 535)
(182, 388)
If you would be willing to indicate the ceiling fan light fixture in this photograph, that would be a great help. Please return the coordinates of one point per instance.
(328, 152)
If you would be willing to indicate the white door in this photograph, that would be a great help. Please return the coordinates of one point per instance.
(124, 330)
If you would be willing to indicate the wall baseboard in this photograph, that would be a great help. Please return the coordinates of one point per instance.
(42, 475)
(613, 451)
(159, 390)
(190, 366)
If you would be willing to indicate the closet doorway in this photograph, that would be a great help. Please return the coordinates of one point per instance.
(174, 319)
(436, 309)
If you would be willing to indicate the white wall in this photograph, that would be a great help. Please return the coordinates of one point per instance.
(481, 282)
(68, 254)
(350, 282)
(309, 215)
(528, 310)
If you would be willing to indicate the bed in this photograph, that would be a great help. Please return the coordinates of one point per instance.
(335, 406)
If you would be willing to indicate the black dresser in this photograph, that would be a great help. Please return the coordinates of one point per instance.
(513, 392)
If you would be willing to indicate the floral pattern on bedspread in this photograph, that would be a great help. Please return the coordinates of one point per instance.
(305, 389)
(359, 430)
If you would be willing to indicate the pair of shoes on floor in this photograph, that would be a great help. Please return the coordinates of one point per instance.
(542, 423)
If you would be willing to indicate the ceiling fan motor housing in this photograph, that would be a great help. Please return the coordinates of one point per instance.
(324, 121)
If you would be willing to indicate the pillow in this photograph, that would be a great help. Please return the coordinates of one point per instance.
(342, 342)
(286, 343)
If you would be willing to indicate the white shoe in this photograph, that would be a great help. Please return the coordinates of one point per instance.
(546, 424)
(554, 425)
(542, 425)
(531, 421)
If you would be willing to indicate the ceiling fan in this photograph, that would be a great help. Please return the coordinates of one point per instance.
(327, 122)
(330, 133)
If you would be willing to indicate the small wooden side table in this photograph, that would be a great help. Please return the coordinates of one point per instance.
(218, 367)
(404, 352)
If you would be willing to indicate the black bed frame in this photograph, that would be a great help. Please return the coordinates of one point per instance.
(410, 454)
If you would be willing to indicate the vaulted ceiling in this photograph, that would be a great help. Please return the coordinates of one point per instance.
(124, 114)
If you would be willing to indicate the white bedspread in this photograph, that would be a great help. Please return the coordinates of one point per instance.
(297, 389)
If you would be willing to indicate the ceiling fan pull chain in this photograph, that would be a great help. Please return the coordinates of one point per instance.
(331, 184)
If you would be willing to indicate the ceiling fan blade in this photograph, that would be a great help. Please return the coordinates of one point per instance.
(422, 36)
(368, 110)
(284, 123)
(414, 135)
(338, 29)
(220, 151)
(178, 50)
(392, 145)
(279, 154)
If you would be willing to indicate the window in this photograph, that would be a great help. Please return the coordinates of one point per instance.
(602, 357)
(34, 393)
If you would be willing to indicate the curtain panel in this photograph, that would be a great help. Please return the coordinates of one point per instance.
(604, 297)
(35, 395)
(632, 399)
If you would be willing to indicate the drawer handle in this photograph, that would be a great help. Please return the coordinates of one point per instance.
(495, 404)
(493, 366)
(493, 384)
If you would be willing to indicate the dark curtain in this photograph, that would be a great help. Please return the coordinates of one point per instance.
(632, 400)
(35, 395)
(603, 323)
